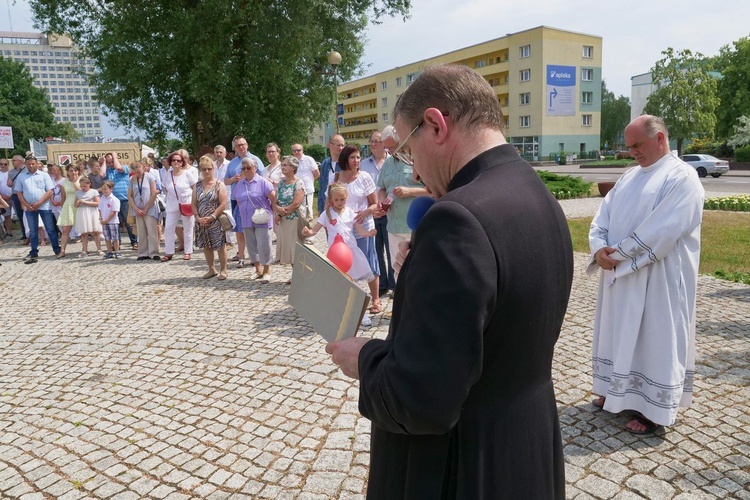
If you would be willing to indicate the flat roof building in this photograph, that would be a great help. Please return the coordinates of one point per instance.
(58, 67)
(547, 80)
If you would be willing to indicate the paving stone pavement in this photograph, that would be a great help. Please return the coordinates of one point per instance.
(124, 380)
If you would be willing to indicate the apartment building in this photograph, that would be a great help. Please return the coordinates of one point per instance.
(547, 80)
(57, 66)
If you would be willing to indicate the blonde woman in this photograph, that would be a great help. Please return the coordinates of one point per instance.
(67, 218)
(210, 199)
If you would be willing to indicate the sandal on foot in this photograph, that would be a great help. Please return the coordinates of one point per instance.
(165, 258)
(186, 256)
(376, 307)
(650, 427)
(599, 402)
(209, 274)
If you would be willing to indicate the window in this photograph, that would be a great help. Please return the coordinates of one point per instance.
(399, 81)
(525, 121)
(384, 102)
(525, 51)
(480, 63)
(385, 117)
(525, 75)
(586, 120)
(383, 85)
(588, 51)
(525, 98)
(410, 78)
(587, 97)
(587, 74)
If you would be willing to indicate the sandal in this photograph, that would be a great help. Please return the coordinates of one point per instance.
(599, 402)
(650, 427)
(165, 258)
(186, 256)
(240, 264)
(376, 307)
(82, 255)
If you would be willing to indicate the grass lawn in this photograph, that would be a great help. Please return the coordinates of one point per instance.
(725, 240)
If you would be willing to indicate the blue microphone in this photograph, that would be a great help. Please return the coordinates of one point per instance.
(419, 206)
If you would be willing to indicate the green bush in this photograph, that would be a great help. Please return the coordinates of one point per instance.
(708, 146)
(564, 186)
(734, 203)
(742, 154)
(317, 151)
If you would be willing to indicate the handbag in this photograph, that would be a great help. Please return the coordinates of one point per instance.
(260, 215)
(186, 209)
(226, 220)
(303, 221)
(160, 203)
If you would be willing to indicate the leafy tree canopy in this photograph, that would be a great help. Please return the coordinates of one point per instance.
(27, 108)
(741, 135)
(208, 70)
(733, 86)
(686, 95)
(615, 117)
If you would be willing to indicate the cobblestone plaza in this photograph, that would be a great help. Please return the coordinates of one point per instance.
(126, 380)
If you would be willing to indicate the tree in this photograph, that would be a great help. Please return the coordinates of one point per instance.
(741, 135)
(733, 86)
(208, 70)
(27, 108)
(686, 95)
(615, 117)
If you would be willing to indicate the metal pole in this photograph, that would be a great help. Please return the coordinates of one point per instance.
(335, 100)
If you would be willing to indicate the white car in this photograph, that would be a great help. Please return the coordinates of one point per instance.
(706, 164)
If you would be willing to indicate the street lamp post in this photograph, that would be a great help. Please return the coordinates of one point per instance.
(334, 59)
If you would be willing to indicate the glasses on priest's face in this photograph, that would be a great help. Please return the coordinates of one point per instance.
(401, 155)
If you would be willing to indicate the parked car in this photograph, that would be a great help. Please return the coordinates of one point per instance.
(706, 164)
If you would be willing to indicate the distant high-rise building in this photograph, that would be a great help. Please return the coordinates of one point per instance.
(57, 66)
(548, 82)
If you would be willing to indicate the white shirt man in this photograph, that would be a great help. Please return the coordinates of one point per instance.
(307, 171)
(221, 162)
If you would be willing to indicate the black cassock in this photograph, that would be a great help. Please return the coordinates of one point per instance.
(460, 393)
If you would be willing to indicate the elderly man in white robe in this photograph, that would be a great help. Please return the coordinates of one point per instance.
(645, 239)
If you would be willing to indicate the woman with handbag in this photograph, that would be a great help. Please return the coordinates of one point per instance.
(254, 195)
(178, 187)
(290, 195)
(210, 199)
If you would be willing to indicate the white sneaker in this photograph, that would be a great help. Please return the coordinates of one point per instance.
(366, 321)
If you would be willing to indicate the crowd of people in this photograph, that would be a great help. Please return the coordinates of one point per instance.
(212, 203)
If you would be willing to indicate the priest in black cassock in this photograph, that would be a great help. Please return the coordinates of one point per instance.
(460, 393)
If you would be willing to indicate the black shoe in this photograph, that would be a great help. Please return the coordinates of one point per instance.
(31, 260)
(156, 257)
(142, 258)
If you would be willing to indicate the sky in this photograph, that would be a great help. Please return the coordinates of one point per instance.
(633, 35)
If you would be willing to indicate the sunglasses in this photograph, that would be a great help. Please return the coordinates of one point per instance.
(176, 160)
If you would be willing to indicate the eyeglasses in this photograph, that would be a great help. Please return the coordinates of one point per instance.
(406, 157)
(3, 164)
(176, 160)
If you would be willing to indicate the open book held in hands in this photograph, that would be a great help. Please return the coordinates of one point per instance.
(324, 296)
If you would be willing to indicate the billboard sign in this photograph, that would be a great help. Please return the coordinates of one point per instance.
(561, 87)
